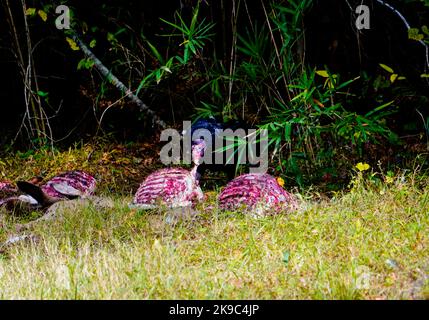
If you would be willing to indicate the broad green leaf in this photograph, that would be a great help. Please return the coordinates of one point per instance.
(186, 55)
(120, 31)
(298, 96)
(414, 34)
(42, 94)
(158, 76)
(288, 131)
(192, 47)
(155, 52)
(143, 82)
(81, 64)
(85, 63)
(342, 85)
(175, 26)
(379, 108)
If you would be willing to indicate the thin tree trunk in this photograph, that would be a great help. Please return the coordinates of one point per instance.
(117, 83)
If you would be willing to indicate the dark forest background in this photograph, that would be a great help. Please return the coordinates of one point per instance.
(329, 94)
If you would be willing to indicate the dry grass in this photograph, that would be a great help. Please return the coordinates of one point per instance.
(369, 243)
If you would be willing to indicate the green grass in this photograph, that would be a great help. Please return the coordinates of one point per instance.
(369, 243)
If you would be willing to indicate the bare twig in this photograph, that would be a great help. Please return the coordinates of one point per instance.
(407, 25)
(116, 82)
(233, 56)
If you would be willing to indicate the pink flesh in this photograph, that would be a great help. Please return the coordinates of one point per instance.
(6, 186)
(253, 191)
(174, 187)
(8, 193)
(78, 180)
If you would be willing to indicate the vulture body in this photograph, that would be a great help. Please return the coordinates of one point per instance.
(171, 187)
(9, 195)
(258, 193)
(12, 198)
(7, 189)
(68, 185)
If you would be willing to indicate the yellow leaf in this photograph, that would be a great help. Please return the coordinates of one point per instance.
(424, 75)
(393, 77)
(280, 181)
(42, 14)
(323, 73)
(389, 180)
(388, 69)
(30, 11)
(362, 166)
(401, 78)
(72, 44)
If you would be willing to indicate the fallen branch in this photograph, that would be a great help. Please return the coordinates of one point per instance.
(407, 25)
(116, 82)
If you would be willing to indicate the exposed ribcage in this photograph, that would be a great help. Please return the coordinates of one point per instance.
(172, 187)
(79, 180)
(255, 191)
